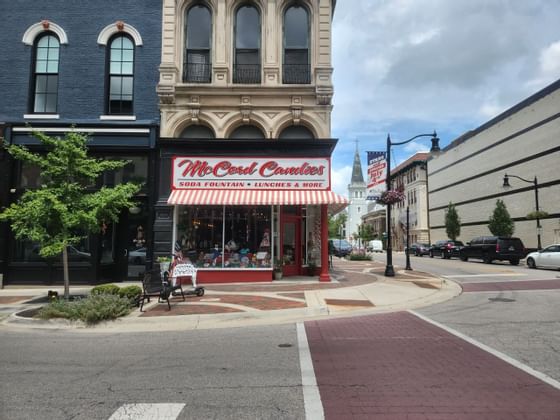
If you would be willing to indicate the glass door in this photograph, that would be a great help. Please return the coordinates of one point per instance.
(291, 246)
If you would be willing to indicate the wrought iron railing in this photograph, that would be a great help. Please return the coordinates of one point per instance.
(197, 73)
(297, 74)
(247, 73)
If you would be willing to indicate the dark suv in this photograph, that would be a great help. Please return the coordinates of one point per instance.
(446, 249)
(490, 248)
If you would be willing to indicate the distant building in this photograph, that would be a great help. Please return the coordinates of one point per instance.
(523, 141)
(357, 197)
(411, 176)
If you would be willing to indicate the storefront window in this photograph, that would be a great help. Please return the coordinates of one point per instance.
(27, 251)
(135, 171)
(225, 236)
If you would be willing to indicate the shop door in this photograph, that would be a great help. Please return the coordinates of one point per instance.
(131, 245)
(291, 246)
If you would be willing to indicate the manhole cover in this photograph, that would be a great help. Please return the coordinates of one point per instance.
(284, 345)
(501, 300)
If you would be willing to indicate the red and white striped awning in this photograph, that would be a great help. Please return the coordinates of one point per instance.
(209, 197)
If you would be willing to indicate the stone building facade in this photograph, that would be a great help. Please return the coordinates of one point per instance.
(246, 84)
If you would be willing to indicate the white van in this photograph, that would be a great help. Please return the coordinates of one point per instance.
(375, 246)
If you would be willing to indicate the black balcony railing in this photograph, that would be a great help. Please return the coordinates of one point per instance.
(297, 74)
(197, 73)
(246, 73)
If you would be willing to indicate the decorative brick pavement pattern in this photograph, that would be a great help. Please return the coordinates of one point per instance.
(212, 304)
(162, 310)
(348, 302)
(6, 300)
(293, 295)
(512, 285)
(397, 366)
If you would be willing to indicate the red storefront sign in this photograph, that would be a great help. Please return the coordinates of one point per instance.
(196, 172)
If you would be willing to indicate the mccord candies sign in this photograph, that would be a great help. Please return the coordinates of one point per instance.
(253, 173)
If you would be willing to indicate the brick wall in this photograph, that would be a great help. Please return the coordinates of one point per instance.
(82, 60)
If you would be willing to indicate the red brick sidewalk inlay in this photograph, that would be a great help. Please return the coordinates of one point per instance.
(162, 310)
(13, 299)
(397, 366)
(511, 285)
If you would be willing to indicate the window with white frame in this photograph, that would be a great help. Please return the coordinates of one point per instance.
(45, 74)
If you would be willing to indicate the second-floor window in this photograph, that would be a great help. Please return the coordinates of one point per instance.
(45, 74)
(246, 66)
(197, 66)
(120, 76)
(296, 68)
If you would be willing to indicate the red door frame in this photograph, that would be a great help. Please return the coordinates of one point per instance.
(291, 270)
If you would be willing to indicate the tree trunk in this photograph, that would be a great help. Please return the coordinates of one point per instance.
(66, 276)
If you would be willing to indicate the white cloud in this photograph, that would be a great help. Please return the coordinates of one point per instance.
(411, 66)
(340, 179)
(549, 65)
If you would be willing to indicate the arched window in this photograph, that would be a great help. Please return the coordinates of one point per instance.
(246, 66)
(197, 132)
(296, 132)
(45, 74)
(247, 132)
(198, 58)
(296, 67)
(120, 68)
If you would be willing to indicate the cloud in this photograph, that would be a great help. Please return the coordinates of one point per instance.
(549, 65)
(445, 64)
(340, 179)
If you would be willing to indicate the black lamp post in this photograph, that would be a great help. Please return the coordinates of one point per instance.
(389, 271)
(536, 184)
(408, 267)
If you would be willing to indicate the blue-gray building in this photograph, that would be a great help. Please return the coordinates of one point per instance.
(92, 67)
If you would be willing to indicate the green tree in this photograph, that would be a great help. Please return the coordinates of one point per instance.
(64, 210)
(366, 232)
(452, 222)
(337, 223)
(500, 223)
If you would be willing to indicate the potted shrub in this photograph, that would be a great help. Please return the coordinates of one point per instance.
(164, 263)
(277, 271)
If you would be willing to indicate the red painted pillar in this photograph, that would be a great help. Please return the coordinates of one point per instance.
(324, 276)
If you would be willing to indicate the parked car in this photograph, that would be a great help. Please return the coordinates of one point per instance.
(548, 257)
(340, 247)
(375, 246)
(490, 248)
(446, 249)
(418, 249)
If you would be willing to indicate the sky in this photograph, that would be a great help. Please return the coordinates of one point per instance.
(408, 67)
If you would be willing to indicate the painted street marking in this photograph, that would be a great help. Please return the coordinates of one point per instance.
(539, 375)
(460, 276)
(147, 412)
(311, 397)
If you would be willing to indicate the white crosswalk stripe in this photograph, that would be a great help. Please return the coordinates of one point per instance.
(147, 412)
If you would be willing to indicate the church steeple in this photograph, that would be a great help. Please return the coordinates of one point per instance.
(357, 175)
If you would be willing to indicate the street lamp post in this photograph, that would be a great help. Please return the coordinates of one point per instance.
(536, 185)
(389, 270)
(408, 267)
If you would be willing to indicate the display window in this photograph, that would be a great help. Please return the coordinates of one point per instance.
(225, 237)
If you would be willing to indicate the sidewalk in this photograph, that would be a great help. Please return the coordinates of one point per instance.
(357, 288)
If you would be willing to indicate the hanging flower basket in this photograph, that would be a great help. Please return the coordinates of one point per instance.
(390, 197)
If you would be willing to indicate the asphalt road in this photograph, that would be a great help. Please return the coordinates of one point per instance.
(249, 373)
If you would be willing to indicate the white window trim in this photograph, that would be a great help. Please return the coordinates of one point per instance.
(118, 117)
(37, 28)
(110, 30)
(41, 116)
